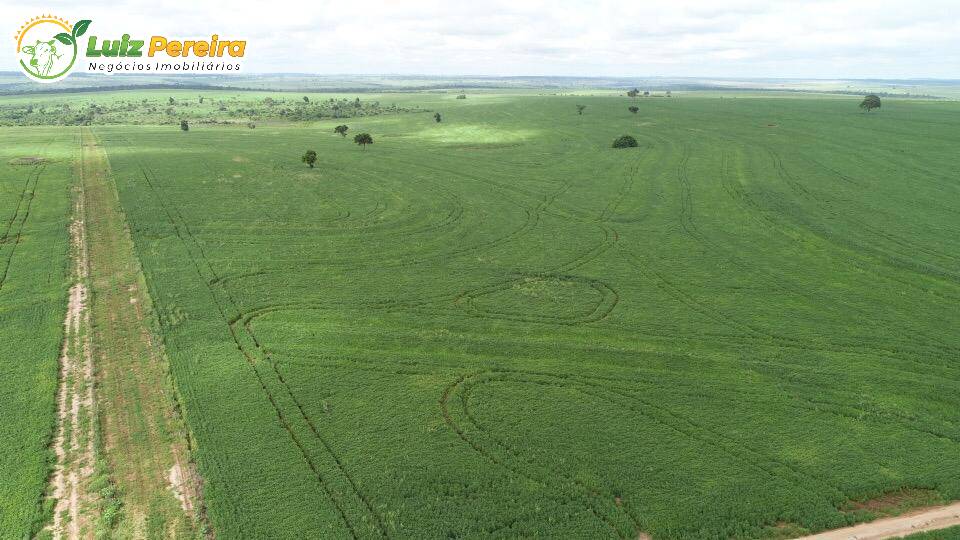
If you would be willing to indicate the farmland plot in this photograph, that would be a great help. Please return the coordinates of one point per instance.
(35, 179)
(499, 326)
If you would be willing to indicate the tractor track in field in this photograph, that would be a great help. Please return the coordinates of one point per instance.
(846, 247)
(628, 399)
(532, 218)
(533, 213)
(652, 172)
(765, 218)
(599, 311)
(19, 220)
(594, 507)
(759, 336)
(276, 389)
(689, 226)
(452, 217)
(943, 185)
(832, 404)
(884, 256)
(610, 296)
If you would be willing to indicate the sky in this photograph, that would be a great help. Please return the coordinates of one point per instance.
(829, 39)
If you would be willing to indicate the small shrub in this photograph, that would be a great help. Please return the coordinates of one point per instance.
(309, 158)
(625, 141)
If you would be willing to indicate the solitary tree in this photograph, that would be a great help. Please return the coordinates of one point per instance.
(172, 101)
(306, 99)
(201, 100)
(341, 129)
(356, 103)
(625, 141)
(438, 118)
(634, 109)
(633, 93)
(363, 139)
(580, 108)
(309, 158)
(184, 126)
(870, 103)
(646, 93)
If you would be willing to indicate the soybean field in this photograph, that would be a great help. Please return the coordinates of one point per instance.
(35, 179)
(496, 325)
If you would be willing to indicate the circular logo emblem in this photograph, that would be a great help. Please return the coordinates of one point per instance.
(47, 47)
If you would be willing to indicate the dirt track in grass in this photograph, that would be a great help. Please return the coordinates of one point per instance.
(74, 440)
(929, 519)
(118, 420)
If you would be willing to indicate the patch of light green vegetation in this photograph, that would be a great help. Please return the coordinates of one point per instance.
(475, 134)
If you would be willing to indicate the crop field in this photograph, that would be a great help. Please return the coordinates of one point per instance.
(35, 177)
(499, 326)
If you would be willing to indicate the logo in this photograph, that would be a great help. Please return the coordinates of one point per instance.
(47, 47)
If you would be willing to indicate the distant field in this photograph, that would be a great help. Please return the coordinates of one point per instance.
(35, 176)
(499, 326)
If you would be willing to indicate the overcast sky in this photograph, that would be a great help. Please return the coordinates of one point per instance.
(732, 38)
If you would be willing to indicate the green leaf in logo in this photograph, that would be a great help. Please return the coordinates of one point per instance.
(64, 38)
(80, 27)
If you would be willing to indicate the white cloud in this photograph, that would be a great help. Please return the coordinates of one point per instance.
(736, 38)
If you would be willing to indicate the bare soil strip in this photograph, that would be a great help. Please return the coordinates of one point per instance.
(142, 440)
(74, 439)
(929, 519)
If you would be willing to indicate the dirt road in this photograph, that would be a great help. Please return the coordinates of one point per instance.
(74, 440)
(928, 519)
(120, 420)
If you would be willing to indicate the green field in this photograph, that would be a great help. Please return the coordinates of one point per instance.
(35, 176)
(946, 534)
(499, 326)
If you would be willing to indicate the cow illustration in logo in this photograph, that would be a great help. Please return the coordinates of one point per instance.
(47, 47)
(42, 55)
